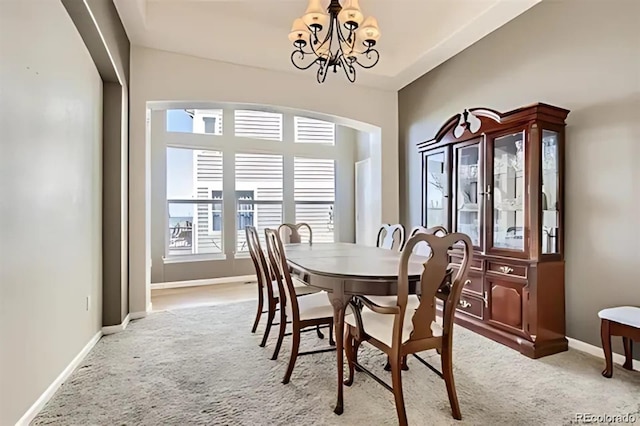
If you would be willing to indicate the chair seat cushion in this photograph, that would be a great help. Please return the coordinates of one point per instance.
(313, 306)
(380, 326)
(627, 315)
(412, 302)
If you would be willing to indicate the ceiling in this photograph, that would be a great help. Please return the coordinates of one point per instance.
(417, 35)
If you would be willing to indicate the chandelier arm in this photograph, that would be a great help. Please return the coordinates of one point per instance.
(369, 54)
(343, 39)
(349, 70)
(313, 39)
(302, 53)
(321, 75)
(317, 40)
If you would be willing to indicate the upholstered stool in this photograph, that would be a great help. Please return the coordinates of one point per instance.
(620, 321)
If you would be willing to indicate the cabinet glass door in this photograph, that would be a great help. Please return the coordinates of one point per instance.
(508, 192)
(467, 217)
(437, 188)
(549, 195)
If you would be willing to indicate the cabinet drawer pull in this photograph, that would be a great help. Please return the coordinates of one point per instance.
(506, 269)
(486, 299)
(464, 303)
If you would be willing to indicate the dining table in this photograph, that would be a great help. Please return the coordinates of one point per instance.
(345, 270)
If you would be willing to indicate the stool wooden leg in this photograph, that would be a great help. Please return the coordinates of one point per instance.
(628, 353)
(605, 335)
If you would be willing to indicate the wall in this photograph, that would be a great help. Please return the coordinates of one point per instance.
(583, 56)
(50, 186)
(164, 76)
(99, 26)
(115, 289)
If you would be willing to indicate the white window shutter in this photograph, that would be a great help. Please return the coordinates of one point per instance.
(262, 174)
(209, 166)
(314, 191)
(258, 125)
(309, 130)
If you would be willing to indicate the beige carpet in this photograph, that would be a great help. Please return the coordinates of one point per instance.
(203, 366)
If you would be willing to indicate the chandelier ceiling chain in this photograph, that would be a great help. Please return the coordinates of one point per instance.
(349, 39)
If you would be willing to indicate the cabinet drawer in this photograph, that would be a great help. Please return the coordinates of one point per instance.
(505, 269)
(476, 284)
(471, 305)
(475, 263)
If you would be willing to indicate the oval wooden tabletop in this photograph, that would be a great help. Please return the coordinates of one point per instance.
(351, 261)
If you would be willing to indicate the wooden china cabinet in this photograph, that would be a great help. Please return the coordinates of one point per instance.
(499, 178)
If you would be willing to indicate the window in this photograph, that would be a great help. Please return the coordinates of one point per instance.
(309, 130)
(258, 125)
(314, 183)
(202, 121)
(194, 202)
(259, 194)
(256, 192)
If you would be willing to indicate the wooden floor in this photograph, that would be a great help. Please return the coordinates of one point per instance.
(188, 297)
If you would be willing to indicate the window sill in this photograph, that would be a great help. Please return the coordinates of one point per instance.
(205, 258)
(193, 258)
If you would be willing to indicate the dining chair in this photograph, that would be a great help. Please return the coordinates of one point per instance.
(399, 331)
(391, 237)
(268, 292)
(311, 310)
(290, 233)
(414, 300)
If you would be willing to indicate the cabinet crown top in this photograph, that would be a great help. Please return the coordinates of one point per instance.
(474, 122)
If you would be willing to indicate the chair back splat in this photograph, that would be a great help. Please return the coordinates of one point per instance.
(290, 233)
(433, 275)
(391, 237)
(265, 282)
(440, 231)
(278, 261)
(259, 261)
(424, 249)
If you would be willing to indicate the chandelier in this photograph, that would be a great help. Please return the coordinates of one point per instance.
(348, 40)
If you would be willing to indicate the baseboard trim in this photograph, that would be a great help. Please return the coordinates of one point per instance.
(33, 411)
(111, 329)
(581, 346)
(137, 315)
(210, 281)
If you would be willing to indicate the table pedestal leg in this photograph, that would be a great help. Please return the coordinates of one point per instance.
(339, 302)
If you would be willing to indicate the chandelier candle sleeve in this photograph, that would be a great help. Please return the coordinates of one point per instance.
(314, 16)
(351, 15)
(337, 38)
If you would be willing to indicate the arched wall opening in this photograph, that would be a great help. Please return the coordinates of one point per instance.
(217, 167)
